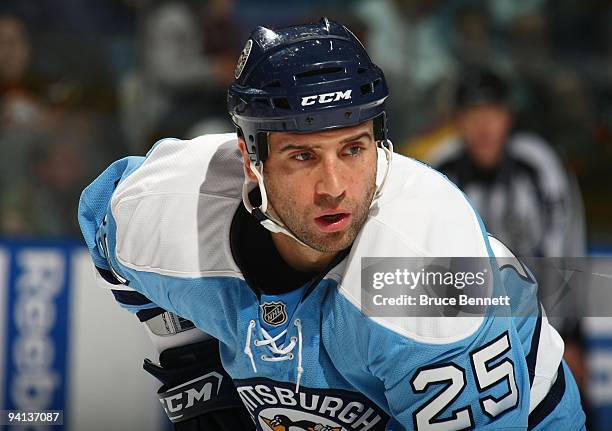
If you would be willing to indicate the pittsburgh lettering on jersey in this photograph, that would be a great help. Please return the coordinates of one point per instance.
(275, 406)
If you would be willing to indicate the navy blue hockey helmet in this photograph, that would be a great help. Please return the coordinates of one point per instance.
(305, 78)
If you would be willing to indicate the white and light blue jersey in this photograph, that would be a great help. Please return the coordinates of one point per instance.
(311, 359)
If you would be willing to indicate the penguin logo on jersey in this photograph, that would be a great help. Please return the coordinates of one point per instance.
(274, 313)
(283, 423)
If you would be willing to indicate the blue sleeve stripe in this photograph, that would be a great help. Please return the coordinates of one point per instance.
(135, 309)
(533, 351)
(149, 313)
(550, 401)
(130, 297)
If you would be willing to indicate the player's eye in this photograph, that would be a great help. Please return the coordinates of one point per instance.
(353, 150)
(302, 157)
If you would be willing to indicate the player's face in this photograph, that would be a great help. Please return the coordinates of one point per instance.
(485, 129)
(321, 184)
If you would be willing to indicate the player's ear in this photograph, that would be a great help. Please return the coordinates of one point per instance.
(245, 160)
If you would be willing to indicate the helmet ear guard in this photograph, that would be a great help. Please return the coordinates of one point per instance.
(380, 127)
(256, 145)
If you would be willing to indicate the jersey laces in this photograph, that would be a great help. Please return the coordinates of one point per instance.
(279, 353)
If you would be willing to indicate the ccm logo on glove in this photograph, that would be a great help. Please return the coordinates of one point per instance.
(187, 394)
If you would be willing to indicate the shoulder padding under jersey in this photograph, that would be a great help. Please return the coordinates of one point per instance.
(421, 214)
(172, 213)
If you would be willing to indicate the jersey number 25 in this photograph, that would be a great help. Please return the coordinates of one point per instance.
(454, 377)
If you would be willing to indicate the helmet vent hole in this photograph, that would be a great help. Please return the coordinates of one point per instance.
(272, 84)
(262, 101)
(376, 82)
(281, 102)
(366, 89)
(319, 72)
(251, 139)
(361, 70)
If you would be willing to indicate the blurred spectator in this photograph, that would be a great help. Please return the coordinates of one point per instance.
(55, 105)
(472, 39)
(19, 106)
(405, 38)
(221, 40)
(513, 178)
(554, 102)
(42, 201)
(178, 83)
(21, 110)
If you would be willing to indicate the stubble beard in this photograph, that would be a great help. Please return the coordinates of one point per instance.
(284, 207)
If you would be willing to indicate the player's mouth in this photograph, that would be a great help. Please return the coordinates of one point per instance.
(333, 222)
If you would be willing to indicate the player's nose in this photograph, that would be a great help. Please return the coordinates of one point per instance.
(330, 182)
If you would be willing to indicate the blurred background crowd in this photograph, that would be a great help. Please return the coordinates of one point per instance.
(84, 83)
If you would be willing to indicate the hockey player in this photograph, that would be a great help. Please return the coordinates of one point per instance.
(257, 238)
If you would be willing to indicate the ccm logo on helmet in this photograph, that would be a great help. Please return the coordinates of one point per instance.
(327, 97)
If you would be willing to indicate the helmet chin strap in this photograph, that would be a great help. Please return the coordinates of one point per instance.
(276, 226)
(261, 212)
(387, 147)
